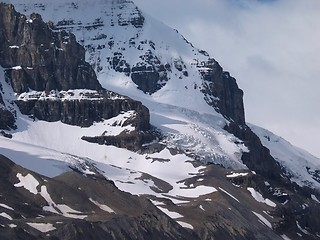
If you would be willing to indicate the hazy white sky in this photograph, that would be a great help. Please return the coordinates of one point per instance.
(272, 48)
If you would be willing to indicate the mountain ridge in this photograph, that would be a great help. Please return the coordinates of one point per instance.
(184, 135)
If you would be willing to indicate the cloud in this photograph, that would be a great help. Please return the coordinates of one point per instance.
(272, 49)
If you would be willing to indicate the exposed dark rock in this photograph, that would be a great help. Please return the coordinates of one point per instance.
(136, 19)
(7, 135)
(84, 112)
(258, 158)
(146, 81)
(221, 92)
(7, 120)
(38, 58)
(150, 74)
(130, 140)
(119, 64)
(294, 203)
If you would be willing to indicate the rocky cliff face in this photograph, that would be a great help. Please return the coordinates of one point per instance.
(222, 92)
(37, 58)
(42, 65)
(7, 120)
(85, 109)
(258, 158)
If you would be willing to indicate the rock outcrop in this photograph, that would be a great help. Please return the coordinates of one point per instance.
(150, 74)
(37, 58)
(7, 120)
(133, 141)
(258, 158)
(95, 107)
(42, 64)
(222, 92)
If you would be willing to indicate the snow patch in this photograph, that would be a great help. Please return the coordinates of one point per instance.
(301, 229)
(234, 175)
(259, 198)
(315, 198)
(42, 227)
(16, 68)
(28, 182)
(61, 209)
(70, 95)
(171, 214)
(230, 195)
(285, 237)
(102, 206)
(185, 225)
(263, 219)
(5, 215)
(6, 206)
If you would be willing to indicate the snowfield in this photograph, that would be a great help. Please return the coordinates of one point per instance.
(52, 148)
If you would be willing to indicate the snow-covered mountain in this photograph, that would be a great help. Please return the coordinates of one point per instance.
(182, 112)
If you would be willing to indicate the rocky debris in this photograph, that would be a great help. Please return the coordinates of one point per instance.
(113, 214)
(109, 213)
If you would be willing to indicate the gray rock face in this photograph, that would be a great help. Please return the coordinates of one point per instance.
(7, 120)
(132, 141)
(259, 158)
(39, 59)
(222, 92)
(83, 112)
(150, 74)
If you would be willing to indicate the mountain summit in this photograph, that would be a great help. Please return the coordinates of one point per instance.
(136, 108)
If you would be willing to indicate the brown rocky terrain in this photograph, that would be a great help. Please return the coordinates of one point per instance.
(109, 213)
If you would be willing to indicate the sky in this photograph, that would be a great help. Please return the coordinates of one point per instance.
(272, 48)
